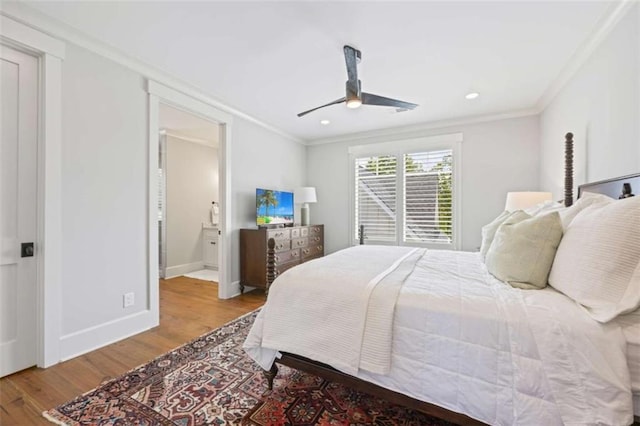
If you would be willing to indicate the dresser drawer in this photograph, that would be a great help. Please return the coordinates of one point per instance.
(282, 245)
(304, 232)
(313, 251)
(295, 233)
(279, 234)
(299, 242)
(315, 240)
(315, 231)
(281, 268)
(287, 256)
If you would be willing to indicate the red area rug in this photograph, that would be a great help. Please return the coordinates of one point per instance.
(210, 381)
(303, 399)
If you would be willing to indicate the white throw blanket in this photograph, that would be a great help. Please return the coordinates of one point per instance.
(337, 309)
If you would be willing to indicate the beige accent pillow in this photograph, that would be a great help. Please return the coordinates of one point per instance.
(489, 230)
(587, 199)
(598, 261)
(522, 250)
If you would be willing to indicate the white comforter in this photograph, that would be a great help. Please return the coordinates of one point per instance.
(470, 343)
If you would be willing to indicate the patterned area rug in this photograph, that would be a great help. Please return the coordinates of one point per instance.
(303, 399)
(210, 381)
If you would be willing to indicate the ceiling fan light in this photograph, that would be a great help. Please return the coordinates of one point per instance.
(354, 103)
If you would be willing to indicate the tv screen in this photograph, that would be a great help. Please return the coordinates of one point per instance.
(274, 207)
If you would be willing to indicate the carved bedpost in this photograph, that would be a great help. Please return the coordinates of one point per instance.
(361, 234)
(270, 375)
(271, 264)
(568, 169)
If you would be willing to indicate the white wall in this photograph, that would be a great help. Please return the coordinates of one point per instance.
(497, 157)
(600, 105)
(192, 184)
(104, 197)
(104, 192)
(260, 159)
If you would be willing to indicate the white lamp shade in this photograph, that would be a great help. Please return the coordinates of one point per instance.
(524, 200)
(306, 194)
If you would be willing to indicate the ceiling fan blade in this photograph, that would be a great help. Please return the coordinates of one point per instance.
(337, 101)
(351, 57)
(371, 99)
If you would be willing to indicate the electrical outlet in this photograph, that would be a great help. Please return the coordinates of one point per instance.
(128, 299)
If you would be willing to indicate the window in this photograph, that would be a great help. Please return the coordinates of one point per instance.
(427, 197)
(406, 196)
(376, 197)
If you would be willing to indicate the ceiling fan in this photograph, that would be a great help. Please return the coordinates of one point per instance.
(355, 96)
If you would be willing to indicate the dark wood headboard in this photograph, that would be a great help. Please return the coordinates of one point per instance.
(621, 187)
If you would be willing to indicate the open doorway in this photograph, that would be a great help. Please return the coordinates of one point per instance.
(193, 103)
(188, 195)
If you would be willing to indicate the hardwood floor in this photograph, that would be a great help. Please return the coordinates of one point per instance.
(188, 308)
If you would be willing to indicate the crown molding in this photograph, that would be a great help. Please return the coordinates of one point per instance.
(31, 39)
(34, 19)
(54, 28)
(413, 129)
(605, 25)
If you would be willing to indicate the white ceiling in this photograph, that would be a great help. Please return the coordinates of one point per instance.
(272, 60)
(187, 126)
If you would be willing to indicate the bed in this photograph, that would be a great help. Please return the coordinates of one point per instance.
(481, 352)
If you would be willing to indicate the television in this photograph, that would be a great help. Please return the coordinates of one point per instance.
(274, 207)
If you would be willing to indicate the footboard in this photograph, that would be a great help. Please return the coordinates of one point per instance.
(331, 374)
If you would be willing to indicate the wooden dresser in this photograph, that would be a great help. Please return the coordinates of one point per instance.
(294, 245)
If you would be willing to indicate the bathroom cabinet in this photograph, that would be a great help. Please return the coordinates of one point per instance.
(210, 247)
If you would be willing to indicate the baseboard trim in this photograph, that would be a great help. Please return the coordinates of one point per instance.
(92, 338)
(176, 271)
(235, 289)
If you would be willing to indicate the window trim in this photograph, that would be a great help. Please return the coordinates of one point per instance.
(397, 148)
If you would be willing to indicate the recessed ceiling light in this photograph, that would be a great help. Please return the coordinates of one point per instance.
(325, 122)
(472, 95)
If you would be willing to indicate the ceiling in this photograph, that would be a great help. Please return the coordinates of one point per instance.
(271, 60)
(187, 126)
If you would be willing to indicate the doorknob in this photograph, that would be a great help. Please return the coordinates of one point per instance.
(26, 250)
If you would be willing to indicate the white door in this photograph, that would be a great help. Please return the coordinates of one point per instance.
(18, 132)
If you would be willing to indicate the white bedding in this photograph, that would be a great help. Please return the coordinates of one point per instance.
(470, 343)
(630, 324)
(342, 309)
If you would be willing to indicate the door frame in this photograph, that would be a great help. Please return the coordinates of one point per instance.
(160, 93)
(50, 53)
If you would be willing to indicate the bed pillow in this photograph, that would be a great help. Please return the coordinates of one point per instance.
(523, 250)
(598, 261)
(489, 230)
(587, 199)
(544, 208)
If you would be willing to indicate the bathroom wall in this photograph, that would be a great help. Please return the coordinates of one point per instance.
(192, 184)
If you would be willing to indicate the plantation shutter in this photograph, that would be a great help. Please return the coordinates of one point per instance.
(428, 198)
(376, 197)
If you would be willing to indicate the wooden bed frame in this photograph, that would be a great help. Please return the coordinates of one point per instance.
(615, 188)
